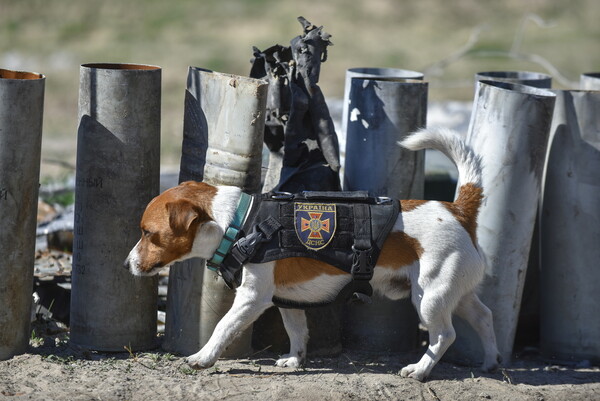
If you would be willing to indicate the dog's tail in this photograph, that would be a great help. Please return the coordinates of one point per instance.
(468, 163)
(453, 146)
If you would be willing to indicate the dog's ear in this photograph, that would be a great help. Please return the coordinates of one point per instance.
(182, 214)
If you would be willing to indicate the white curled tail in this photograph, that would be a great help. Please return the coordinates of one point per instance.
(453, 146)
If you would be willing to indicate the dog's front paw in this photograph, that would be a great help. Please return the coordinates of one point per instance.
(414, 372)
(197, 362)
(290, 361)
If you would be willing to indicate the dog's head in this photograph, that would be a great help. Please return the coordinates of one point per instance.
(176, 225)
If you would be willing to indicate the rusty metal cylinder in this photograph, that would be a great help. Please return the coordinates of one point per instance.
(224, 121)
(383, 111)
(509, 130)
(21, 115)
(570, 231)
(118, 171)
(590, 81)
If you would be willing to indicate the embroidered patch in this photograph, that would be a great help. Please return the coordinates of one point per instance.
(315, 224)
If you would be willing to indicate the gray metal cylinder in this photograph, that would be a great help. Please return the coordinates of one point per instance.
(570, 231)
(590, 81)
(535, 79)
(383, 112)
(118, 171)
(370, 72)
(365, 72)
(21, 115)
(223, 138)
(528, 326)
(509, 130)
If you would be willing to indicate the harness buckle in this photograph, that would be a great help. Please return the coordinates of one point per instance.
(359, 298)
(244, 248)
(383, 200)
(280, 195)
(362, 263)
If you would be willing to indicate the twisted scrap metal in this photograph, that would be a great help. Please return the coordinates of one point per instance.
(298, 123)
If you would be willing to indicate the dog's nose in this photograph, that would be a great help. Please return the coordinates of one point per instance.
(126, 264)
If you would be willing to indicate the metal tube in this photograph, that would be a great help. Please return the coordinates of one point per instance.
(365, 72)
(570, 231)
(118, 163)
(509, 130)
(535, 79)
(383, 112)
(590, 81)
(222, 145)
(370, 72)
(528, 326)
(21, 115)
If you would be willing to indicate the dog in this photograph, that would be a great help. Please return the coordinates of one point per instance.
(431, 255)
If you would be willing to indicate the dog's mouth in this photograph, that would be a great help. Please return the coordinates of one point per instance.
(136, 271)
(156, 268)
(149, 273)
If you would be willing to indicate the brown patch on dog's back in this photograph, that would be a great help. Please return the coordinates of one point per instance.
(466, 208)
(406, 205)
(293, 271)
(399, 249)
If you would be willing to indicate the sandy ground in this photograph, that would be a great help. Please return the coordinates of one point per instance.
(52, 370)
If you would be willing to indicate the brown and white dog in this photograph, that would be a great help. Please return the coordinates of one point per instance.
(430, 255)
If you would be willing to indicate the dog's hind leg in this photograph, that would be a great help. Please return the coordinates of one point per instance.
(296, 327)
(471, 309)
(436, 316)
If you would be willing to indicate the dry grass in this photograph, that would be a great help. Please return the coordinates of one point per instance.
(56, 37)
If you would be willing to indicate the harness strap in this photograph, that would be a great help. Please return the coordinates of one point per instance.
(363, 262)
(243, 249)
(231, 234)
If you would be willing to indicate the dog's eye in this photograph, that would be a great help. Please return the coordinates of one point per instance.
(151, 236)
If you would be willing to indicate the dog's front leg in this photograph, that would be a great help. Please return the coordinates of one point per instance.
(246, 308)
(296, 327)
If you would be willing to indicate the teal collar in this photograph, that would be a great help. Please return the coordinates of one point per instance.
(231, 234)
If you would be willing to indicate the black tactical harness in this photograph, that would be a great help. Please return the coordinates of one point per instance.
(344, 229)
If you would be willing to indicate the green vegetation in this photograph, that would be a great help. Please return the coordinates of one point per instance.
(35, 340)
(63, 199)
(56, 37)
